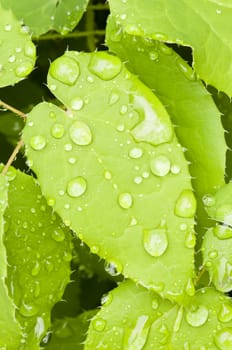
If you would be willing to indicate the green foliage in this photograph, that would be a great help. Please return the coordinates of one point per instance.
(116, 234)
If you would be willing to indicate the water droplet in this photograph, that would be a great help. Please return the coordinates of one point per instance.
(107, 299)
(98, 324)
(224, 214)
(11, 174)
(11, 59)
(190, 240)
(105, 66)
(125, 200)
(113, 268)
(155, 304)
(76, 187)
(77, 104)
(49, 266)
(136, 337)
(28, 310)
(29, 49)
(222, 232)
(8, 27)
(117, 34)
(123, 109)
(185, 69)
(37, 142)
(178, 319)
(197, 316)
(58, 235)
(51, 202)
(68, 147)
(107, 175)
(155, 241)
(153, 55)
(39, 327)
(213, 254)
(153, 128)
(36, 269)
(225, 313)
(65, 69)
(160, 165)
(57, 131)
(136, 152)
(190, 288)
(72, 160)
(52, 115)
(185, 204)
(80, 133)
(223, 339)
(159, 36)
(36, 291)
(175, 169)
(23, 69)
(166, 50)
(120, 127)
(138, 180)
(113, 98)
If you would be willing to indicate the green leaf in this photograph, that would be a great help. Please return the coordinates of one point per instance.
(191, 108)
(10, 334)
(38, 270)
(17, 51)
(70, 333)
(47, 15)
(133, 318)
(121, 183)
(202, 24)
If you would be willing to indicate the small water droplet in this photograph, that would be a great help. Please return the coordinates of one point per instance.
(222, 232)
(8, 27)
(123, 109)
(138, 180)
(153, 55)
(36, 269)
(36, 291)
(155, 304)
(80, 133)
(190, 240)
(105, 66)
(120, 127)
(125, 200)
(72, 160)
(29, 49)
(107, 299)
(186, 204)
(155, 241)
(107, 175)
(57, 131)
(175, 169)
(136, 337)
(136, 153)
(77, 104)
(113, 98)
(51, 202)
(76, 187)
(11, 174)
(68, 147)
(65, 69)
(225, 313)
(113, 268)
(58, 235)
(166, 50)
(224, 214)
(213, 254)
(99, 324)
(28, 310)
(178, 320)
(197, 315)
(190, 288)
(37, 142)
(223, 339)
(160, 166)
(11, 59)
(187, 71)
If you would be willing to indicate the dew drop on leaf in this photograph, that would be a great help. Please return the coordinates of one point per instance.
(57, 130)
(80, 133)
(190, 288)
(37, 142)
(155, 241)
(223, 339)
(136, 337)
(113, 268)
(197, 316)
(36, 269)
(113, 98)
(160, 166)
(225, 313)
(58, 235)
(76, 187)
(99, 324)
(29, 49)
(105, 66)
(28, 310)
(222, 232)
(65, 69)
(186, 204)
(208, 200)
(125, 200)
(190, 240)
(76, 104)
(136, 153)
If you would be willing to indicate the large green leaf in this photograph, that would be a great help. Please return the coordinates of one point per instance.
(17, 51)
(121, 182)
(45, 15)
(38, 269)
(202, 24)
(133, 318)
(191, 108)
(10, 334)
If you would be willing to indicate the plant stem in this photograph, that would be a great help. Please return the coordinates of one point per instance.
(72, 35)
(12, 109)
(200, 274)
(12, 157)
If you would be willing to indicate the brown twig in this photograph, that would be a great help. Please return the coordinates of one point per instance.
(12, 157)
(12, 109)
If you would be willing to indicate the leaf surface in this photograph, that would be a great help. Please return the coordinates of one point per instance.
(45, 15)
(202, 24)
(17, 51)
(133, 318)
(10, 333)
(38, 269)
(121, 183)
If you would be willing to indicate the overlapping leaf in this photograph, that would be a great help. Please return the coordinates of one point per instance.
(202, 24)
(17, 51)
(121, 182)
(10, 333)
(192, 110)
(46, 15)
(217, 246)
(134, 318)
(38, 253)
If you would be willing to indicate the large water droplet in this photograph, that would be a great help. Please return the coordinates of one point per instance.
(28, 310)
(225, 313)
(154, 128)
(38, 142)
(57, 130)
(223, 339)
(125, 200)
(136, 337)
(160, 166)
(80, 133)
(65, 69)
(185, 204)
(197, 316)
(99, 324)
(222, 232)
(155, 241)
(76, 187)
(105, 66)
(39, 327)
(77, 103)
